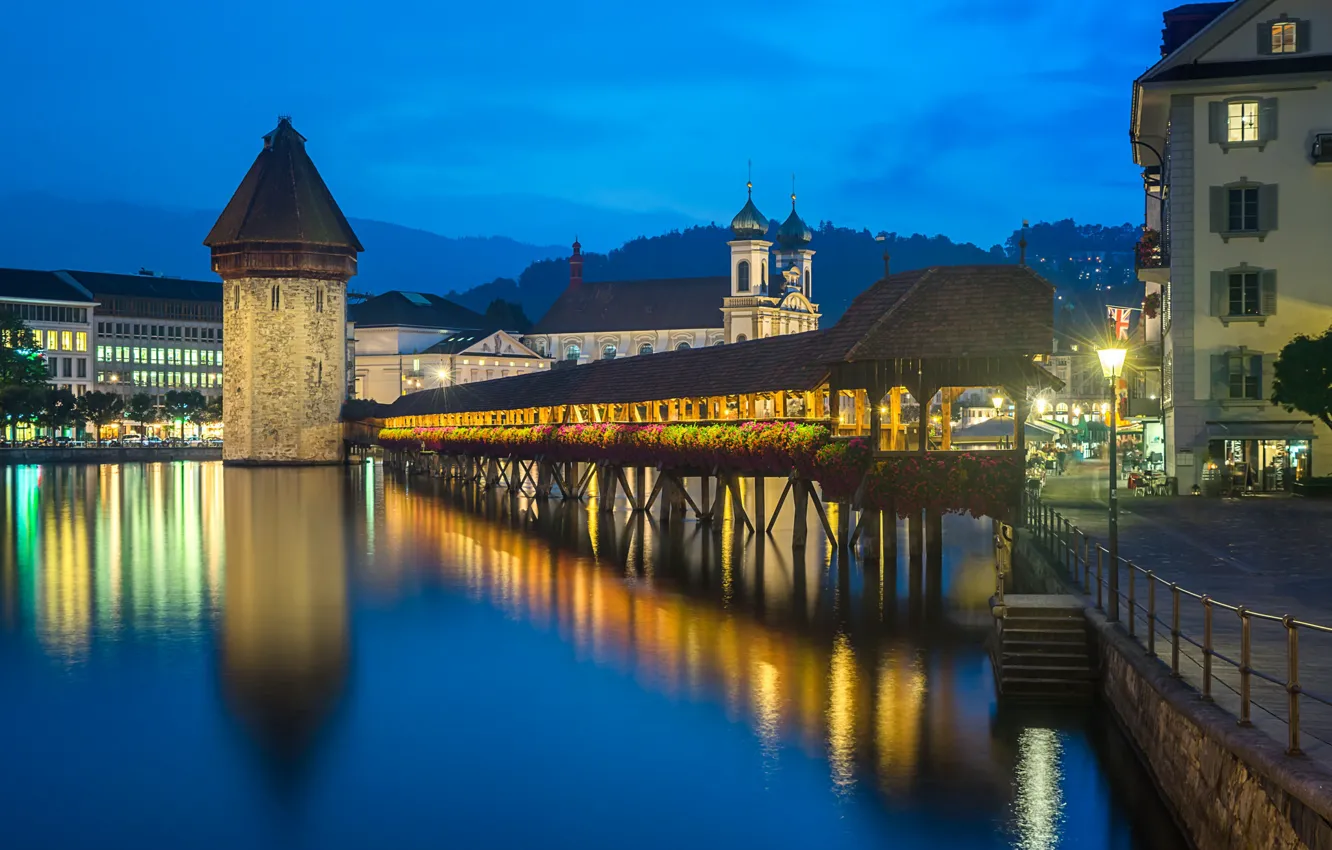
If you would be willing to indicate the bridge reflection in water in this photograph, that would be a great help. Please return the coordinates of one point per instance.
(284, 576)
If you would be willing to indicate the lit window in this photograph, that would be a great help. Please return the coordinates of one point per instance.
(416, 364)
(67, 340)
(52, 340)
(1283, 37)
(81, 341)
(645, 348)
(1242, 121)
(608, 352)
(572, 352)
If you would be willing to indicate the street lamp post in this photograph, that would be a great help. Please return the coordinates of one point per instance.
(1112, 366)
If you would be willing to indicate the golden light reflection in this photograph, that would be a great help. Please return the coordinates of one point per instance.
(842, 714)
(822, 695)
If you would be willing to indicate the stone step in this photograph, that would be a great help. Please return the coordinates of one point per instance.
(1025, 672)
(1052, 689)
(1063, 613)
(1050, 658)
(1058, 623)
(1043, 636)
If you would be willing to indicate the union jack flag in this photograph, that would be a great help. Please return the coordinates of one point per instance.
(1119, 320)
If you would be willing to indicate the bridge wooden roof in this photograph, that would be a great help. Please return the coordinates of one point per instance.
(943, 312)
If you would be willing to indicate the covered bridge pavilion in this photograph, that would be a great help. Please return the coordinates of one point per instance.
(939, 330)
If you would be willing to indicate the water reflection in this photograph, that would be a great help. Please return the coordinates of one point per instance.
(284, 630)
(859, 707)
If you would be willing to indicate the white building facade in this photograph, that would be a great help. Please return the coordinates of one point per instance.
(765, 294)
(59, 312)
(1241, 113)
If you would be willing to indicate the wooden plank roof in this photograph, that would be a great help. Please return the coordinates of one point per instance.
(942, 312)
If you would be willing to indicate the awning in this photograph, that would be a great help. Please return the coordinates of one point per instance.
(1261, 429)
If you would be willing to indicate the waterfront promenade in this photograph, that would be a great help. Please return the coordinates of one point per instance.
(1268, 553)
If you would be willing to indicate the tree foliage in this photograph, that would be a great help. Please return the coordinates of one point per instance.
(143, 409)
(184, 406)
(58, 409)
(21, 362)
(99, 408)
(508, 315)
(1302, 377)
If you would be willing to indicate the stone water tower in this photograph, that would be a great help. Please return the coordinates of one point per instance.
(284, 252)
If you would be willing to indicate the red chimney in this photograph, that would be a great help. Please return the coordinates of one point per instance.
(576, 266)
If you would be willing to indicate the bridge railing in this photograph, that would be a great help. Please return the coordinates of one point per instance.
(1160, 609)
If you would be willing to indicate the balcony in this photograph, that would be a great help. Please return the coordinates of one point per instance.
(1151, 258)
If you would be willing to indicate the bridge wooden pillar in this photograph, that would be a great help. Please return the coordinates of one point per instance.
(915, 560)
(933, 561)
(760, 509)
(800, 519)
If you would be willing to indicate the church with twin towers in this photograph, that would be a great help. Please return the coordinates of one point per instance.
(285, 252)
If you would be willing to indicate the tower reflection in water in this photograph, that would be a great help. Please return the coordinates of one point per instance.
(284, 644)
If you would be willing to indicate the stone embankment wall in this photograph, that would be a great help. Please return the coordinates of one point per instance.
(1231, 788)
(13, 457)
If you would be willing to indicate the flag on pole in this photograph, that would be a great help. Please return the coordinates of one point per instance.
(1119, 320)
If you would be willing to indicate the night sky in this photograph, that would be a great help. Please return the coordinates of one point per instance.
(609, 119)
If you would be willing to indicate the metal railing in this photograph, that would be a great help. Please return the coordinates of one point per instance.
(1086, 562)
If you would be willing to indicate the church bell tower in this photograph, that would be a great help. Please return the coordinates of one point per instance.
(284, 252)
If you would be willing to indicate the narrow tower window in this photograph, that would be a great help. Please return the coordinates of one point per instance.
(235, 297)
(808, 290)
(277, 297)
(319, 299)
(742, 276)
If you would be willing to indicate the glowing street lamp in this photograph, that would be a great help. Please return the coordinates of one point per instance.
(1112, 366)
(998, 404)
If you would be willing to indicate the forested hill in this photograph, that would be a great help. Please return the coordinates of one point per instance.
(1077, 258)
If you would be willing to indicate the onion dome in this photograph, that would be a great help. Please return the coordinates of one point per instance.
(794, 233)
(749, 223)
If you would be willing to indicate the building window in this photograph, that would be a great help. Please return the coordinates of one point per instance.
(808, 285)
(682, 346)
(235, 297)
(572, 352)
(1283, 37)
(81, 370)
(645, 348)
(608, 351)
(742, 276)
(741, 338)
(52, 340)
(1242, 209)
(1242, 121)
(319, 299)
(1242, 375)
(416, 364)
(277, 297)
(1165, 308)
(1244, 294)
(67, 368)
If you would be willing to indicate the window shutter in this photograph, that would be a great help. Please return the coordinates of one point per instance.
(1216, 122)
(1264, 38)
(1220, 376)
(1217, 205)
(1302, 36)
(1218, 294)
(1267, 206)
(1262, 368)
(1269, 284)
(1267, 119)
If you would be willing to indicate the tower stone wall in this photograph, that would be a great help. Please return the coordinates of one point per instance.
(286, 372)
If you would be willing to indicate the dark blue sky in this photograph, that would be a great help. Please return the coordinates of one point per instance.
(609, 119)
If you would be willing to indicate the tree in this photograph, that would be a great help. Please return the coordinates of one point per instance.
(208, 412)
(142, 408)
(1302, 377)
(57, 410)
(21, 361)
(508, 316)
(19, 404)
(99, 408)
(183, 406)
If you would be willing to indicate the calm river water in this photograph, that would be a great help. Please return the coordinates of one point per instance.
(326, 658)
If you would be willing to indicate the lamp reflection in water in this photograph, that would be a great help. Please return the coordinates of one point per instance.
(1039, 807)
(284, 628)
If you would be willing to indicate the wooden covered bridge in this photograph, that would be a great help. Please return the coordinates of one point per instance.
(831, 407)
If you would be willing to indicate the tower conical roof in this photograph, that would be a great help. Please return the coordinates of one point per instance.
(749, 223)
(283, 199)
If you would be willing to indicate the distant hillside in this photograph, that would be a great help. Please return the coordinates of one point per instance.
(1077, 258)
(43, 232)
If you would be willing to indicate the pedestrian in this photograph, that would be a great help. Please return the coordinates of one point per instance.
(1059, 465)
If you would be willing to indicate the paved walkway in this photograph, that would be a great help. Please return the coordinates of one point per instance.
(1272, 554)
